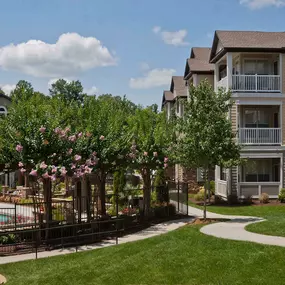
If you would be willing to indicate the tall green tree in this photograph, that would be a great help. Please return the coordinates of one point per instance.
(149, 130)
(105, 119)
(205, 135)
(23, 91)
(69, 91)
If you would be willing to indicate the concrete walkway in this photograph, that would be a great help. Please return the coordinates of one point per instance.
(147, 233)
(235, 228)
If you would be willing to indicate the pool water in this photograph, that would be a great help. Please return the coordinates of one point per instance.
(3, 218)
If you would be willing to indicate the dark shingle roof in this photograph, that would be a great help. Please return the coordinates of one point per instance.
(178, 86)
(199, 61)
(251, 39)
(243, 40)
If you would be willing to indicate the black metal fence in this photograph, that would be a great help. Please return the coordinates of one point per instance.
(28, 228)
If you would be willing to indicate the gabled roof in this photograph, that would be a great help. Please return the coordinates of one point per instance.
(246, 40)
(168, 96)
(178, 86)
(198, 62)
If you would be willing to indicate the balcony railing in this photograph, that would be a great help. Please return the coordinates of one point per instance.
(256, 83)
(260, 136)
(223, 83)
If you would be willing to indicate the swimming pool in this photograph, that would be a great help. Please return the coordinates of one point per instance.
(3, 218)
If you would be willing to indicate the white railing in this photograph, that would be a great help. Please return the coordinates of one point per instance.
(260, 136)
(256, 83)
(255, 189)
(222, 188)
(223, 83)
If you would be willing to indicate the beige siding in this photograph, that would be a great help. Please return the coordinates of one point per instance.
(233, 117)
(283, 123)
(209, 77)
(283, 73)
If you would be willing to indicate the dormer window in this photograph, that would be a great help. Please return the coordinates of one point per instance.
(3, 110)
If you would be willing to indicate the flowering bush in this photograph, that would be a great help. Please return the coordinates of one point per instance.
(129, 211)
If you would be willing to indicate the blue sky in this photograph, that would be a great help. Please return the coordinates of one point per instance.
(118, 46)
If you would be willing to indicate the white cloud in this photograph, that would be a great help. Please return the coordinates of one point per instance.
(258, 4)
(156, 29)
(91, 91)
(53, 80)
(70, 55)
(144, 66)
(153, 78)
(176, 38)
(7, 88)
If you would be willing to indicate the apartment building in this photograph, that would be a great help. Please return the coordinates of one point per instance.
(252, 65)
(197, 68)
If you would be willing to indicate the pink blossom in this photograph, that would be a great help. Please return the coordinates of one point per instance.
(45, 175)
(70, 151)
(102, 138)
(43, 165)
(155, 154)
(166, 159)
(87, 169)
(63, 171)
(80, 135)
(19, 148)
(53, 178)
(62, 134)
(145, 153)
(88, 134)
(23, 170)
(73, 166)
(42, 129)
(88, 162)
(20, 164)
(57, 130)
(67, 129)
(94, 153)
(165, 165)
(54, 169)
(77, 157)
(72, 138)
(34, 172)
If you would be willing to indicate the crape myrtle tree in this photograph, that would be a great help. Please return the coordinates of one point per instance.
(105, 119)
(206, 138)
(33, 136)
(150, 143)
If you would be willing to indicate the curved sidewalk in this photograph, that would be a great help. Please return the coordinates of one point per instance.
(144, 234)
(235, 228)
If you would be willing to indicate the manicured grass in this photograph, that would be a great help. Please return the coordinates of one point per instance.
(184, 256)
(274, 214)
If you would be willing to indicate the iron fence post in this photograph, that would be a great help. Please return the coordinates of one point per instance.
(15, 213)
(178, 188)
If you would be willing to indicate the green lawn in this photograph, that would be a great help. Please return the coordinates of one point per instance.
(275, 216)
(184, 256)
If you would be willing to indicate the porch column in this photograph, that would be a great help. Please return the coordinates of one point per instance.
(216, 77)
(280, 72)
(281, 173)
(229, 69)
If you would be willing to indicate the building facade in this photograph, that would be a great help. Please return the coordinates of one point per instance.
(252, 66)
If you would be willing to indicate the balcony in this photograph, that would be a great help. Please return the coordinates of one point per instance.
(252, 83)
(256, 83)
(259, 136)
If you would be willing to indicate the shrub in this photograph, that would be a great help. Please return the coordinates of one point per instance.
(281, 196)
(200, 195)
(162, 210)
(247, 200)
(264, 198)
(8, 239)
(160, 186)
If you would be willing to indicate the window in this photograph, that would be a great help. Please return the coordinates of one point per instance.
(3, 110)
(261, 170)
(252, 67)
(223, 173)
(177, 107)
(256, 118)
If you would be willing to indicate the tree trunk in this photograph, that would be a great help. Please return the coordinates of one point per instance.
(206, 187)
(48, 205)
(146, 192)
(102, 193)
(87, 196)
